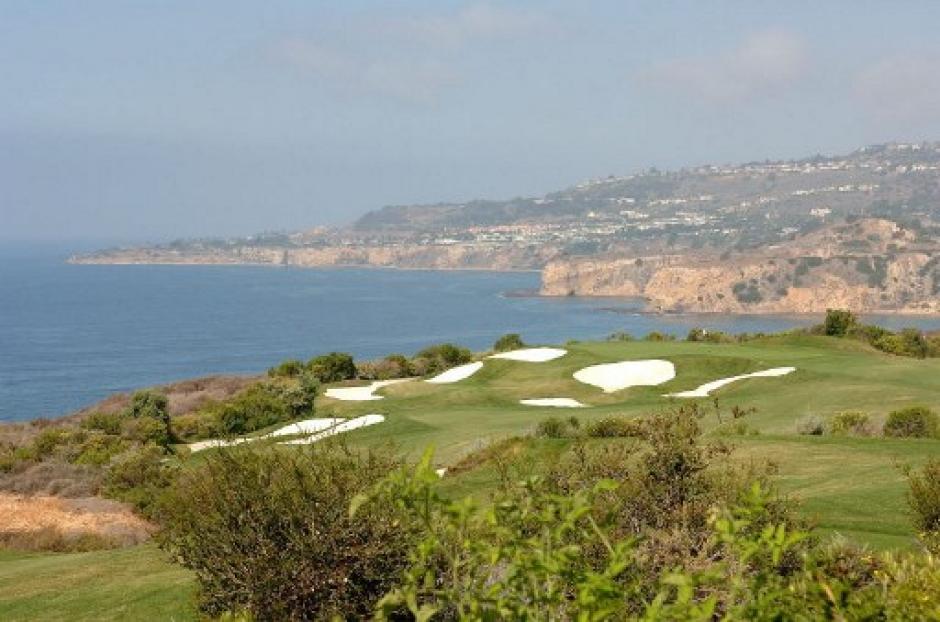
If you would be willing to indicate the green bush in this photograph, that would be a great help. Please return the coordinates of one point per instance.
(291, 368)
(709, 336)
(912, 422)
(620, 336)
(908, 342)
(510, 341)
(151, 404)
(923, 497)
(838, 322)
(109, 423)
(332, 367)
(441, 357)
(850, 422)
(392, 366)
(267, 403)
(139, 477)
(614, 427)
(146, 430)
(268, 533)
(552, 427)
(147, 420)
(658, 336)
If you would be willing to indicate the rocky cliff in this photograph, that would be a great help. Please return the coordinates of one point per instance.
(869, 265)
(405, 256)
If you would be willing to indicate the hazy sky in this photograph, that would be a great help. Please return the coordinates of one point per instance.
(148, 120)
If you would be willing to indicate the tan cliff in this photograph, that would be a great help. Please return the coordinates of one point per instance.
(405, 256)
(871, 265)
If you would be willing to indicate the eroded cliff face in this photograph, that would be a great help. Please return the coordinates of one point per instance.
(405, 256)
(872, 265)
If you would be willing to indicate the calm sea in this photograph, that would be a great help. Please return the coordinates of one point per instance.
(70, 335)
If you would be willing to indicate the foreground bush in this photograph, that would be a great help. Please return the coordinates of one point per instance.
(912, 422)
(924, 499)
(268, 532)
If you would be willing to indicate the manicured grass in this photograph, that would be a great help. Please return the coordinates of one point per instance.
(135, 583)
(851, 486)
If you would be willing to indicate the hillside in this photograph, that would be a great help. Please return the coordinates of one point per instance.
(683, 239)
(869, 264)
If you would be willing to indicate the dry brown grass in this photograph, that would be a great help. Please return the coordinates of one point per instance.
(185, 396)
(56, 524)
(52, 477)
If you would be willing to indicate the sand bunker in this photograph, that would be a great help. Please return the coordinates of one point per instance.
(362, 394)
(308, 426)
(617, 376)
(531, 355)
(560, 402)
(708, 387)
(348, 426)
(456, 374)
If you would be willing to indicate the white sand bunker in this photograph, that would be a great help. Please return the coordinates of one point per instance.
(531, 355)
(362, 394)
(617, 376)
(456, 374)
(308, 426)
(348, 426)
(560, 402)
(714, 385)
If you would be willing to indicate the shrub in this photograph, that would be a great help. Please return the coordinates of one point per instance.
(811, 425)
(109, 423)
(912, 422)
(268, 533)
(613, 427)
(139, 477)
(332, 367)
(620, 336)
(392, 366)
(908, 342)
(658, 336)
(151, 404)
(146, 430)
(148, 419)
(291, 368)
(850, 422)
(198, 425)
(710, 336)
(923, 497)
(438, 358)
(510, 341)
(267, 403)
(838, 322)
(552, 427)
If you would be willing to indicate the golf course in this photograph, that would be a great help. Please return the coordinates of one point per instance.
(848, 485)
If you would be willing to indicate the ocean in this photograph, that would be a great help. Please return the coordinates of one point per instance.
(71, 335)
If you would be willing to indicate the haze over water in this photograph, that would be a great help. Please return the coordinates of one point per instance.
(70, 335)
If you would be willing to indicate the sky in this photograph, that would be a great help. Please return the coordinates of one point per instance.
(159, 119)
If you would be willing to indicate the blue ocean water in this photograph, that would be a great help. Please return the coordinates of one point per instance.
(70, 335)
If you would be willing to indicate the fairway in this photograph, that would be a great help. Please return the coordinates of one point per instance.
(852, 486)
(849, 486)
